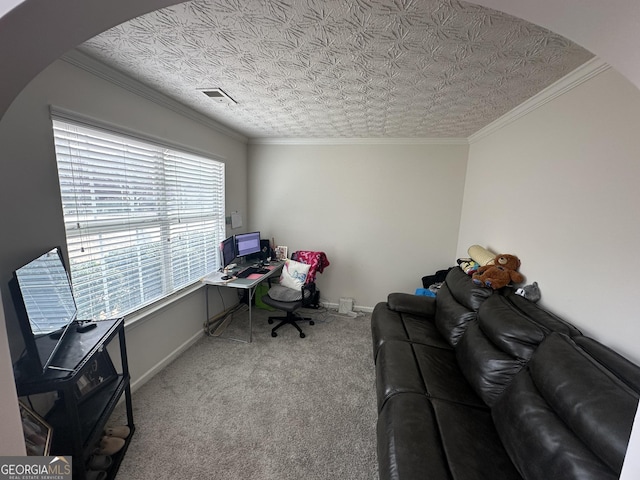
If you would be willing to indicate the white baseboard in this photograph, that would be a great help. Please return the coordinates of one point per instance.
(356, 308)
(166, 361)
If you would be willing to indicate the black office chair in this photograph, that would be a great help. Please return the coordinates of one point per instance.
(289, 300)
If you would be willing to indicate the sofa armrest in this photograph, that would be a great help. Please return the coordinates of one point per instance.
(413, 304)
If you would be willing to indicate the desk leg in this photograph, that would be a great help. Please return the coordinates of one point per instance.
(251, 292)
(225, 323)
(250, 324)
(206, 302)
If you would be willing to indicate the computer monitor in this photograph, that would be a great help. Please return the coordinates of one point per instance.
(228, 249)
(247, 244)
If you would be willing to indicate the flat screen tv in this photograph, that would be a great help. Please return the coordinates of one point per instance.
(247, 244)
(44, 302)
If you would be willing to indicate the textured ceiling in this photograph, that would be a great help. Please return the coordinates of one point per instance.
(351, 69)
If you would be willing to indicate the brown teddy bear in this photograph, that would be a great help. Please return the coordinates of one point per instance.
(499, 273)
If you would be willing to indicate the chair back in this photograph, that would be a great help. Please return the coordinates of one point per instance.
(317, 262)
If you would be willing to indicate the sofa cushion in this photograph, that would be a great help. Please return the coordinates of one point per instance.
(466, 293)
(386, 324)
(425, 438)
(442, 376)
(508, 329)
(474, 449)
(410, 367)
(412, 304)
(417, 319)
(539, 315)
(488, 369)
(397, 372)
(626, 371)
(569, 412)
(408, 440)
(389, 325)
(530, 429)
(457, 303)
(496, 347)
(451, 317)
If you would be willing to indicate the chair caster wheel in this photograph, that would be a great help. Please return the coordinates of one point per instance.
(302, 335)
(270, 321)
(311, 322)
(274, 334)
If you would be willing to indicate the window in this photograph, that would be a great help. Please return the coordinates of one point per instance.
(142, 220)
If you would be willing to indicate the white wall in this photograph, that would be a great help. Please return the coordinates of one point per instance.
(31, 213)
(609, 29)
(385, 214)
(559, 188)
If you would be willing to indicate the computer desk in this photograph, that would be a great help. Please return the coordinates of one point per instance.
(250, 284)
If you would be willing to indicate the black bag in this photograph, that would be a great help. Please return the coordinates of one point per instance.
(438, 277)
(315, 300)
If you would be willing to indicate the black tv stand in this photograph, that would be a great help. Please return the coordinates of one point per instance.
(88, 387)
(56, 335)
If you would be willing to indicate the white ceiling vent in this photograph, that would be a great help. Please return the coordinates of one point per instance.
(219, 95)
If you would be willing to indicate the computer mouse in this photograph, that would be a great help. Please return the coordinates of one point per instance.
(226, 277)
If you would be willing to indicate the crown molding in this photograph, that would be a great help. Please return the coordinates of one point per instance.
(586, 71)
(89, 64)
(358, 141)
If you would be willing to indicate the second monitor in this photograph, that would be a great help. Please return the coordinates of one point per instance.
(228, 249)
(247, 244)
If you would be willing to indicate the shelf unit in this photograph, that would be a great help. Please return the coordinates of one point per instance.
(81, 411)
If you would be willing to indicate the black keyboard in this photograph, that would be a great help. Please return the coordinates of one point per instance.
(245, 272)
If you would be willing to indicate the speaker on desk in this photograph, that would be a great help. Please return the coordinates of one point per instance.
(265, 250)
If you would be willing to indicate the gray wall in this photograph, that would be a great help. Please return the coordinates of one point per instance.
(559, 188)
(386, 213)
(32, 215)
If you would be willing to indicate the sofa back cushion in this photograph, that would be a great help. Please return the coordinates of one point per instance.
(626, 371)
(457, 304)
(464, 291)
(501, 342)
(567, 414)
(538, 314)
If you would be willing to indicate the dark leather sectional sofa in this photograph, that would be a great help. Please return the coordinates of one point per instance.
(480, 385)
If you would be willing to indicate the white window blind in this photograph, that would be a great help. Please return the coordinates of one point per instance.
(142, 220)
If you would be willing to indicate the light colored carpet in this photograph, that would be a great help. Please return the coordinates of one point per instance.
(280, 408)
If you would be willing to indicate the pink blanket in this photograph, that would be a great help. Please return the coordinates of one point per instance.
(317, 260)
